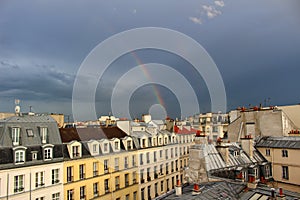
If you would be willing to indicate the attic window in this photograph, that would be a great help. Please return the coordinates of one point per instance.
(29, 132)
(34, 155)
(129, 144)
(44, 134)
(116, 145)
(20, 156)
(105, 147)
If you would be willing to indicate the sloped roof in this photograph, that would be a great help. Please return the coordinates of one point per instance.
(91, 133)
(279, 142)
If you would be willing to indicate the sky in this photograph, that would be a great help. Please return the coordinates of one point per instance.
(254, 44)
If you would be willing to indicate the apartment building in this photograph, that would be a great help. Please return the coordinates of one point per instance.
(100, 163)
(282, 152)
(31, 158)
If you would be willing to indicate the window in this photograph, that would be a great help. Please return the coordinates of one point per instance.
(95, 189)
(82, 192)
(116, 145)
(133, 161)
(129, 145)
(47, 153)
(156, 189)
(161, 169)
(285, 153)
(117, 183)
(143, 194)
(95, 150)
(105, 166)
(160, 153)
(176, 151)
(172, 155)
(127, 197)
(81, 171)
(154, 155)
(125, 162)
(148, 157)
(29, 132)
(95, 168)
(40, 198)
(133, 177)
(34, 155)
(135, 195)
(20, 156)
(116, 164)
(69, 174)
(55, 176)
(267, 152)
(166, 153)
(142, 176)
(141, 159)
(70, 194)
(148, 174)
(267, 171)
(285, 172)
(15, 135)
(162, 186)
(105, 147)
(44, 134)
(126, 180)
(167, 168)
(149, 192)
(106, 187)
(55, 196)
(39, 179)
(75, 151)
(19, 183)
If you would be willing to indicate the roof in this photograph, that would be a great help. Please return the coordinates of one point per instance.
(91, 133)
(211, 190)
(279, 142)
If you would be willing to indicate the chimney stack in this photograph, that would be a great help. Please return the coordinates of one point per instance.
(196, 189)
(247, 145)
(281, 195)
(178, 188)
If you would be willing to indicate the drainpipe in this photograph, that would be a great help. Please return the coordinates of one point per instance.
(30, 186)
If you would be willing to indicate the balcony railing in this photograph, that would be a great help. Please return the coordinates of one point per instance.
(134, 181)
(148, 178)
(82, 176)
(106, 171)
(20, 189)
(126, 183)
(95, 173)
(142, 180)
(155, 175)
(70, 178)
(117, 186)
(106, 190)
(55, 181)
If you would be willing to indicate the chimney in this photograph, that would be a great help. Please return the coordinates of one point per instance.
(200, 138)
(178, 188)
(196, 189)
(273, 196)
(224, 151)
(281, 196)
(251, 182)
(247, 145)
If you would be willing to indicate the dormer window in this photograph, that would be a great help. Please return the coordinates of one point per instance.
(117, 146)
(129, 146)
(75, 151)
(95, 148)
(166, 140)
(15, 135)
(160, 141)
(19, 156)
(153, 141)
(44, 134)
(34, 155)
(143, 143)
(48, 153)
(105, 147)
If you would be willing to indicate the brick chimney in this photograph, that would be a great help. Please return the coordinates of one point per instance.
(196, 189)
(224, 151)
(281, 195)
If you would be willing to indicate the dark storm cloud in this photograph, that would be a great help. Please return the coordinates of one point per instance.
(35, 82)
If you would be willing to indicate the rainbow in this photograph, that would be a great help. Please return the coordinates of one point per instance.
(148, 76)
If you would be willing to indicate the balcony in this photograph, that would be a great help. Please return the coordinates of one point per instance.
(39, 184)
(106, 171)
(155, 175)
(55, 181)
(20, 189)
(117, 186)
(126, 183)
(148, 178)
(95, 173)
(134, 181)
(82, 176)
(96, 193)
(106, 190)
(82, 197)
(142, 180)
(70, 179)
